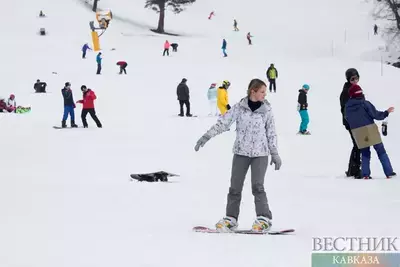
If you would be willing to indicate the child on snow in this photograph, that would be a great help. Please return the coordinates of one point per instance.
(302, 108)
(212, 99)
(222, 97)
(360, 115)
(255, 140)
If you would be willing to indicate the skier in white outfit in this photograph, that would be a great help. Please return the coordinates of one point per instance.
(212, 99)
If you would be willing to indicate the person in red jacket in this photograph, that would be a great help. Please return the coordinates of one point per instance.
(88, 106)
(122, 66)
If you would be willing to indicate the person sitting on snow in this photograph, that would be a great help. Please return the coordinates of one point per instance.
(3, 104)
(11, 104)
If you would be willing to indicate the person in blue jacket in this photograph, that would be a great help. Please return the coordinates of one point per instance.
(84, 50)
(224, 44)
(302, 107)
(212, 99)
(360, 115)
(98, 60)
(69, 106)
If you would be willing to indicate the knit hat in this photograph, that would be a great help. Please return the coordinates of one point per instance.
(355, 91)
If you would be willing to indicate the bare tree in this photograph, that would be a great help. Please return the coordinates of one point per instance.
(388, 10)
(161, 5)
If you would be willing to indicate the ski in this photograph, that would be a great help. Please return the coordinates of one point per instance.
(203, 229)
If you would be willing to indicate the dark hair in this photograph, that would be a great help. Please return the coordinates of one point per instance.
(255, 85)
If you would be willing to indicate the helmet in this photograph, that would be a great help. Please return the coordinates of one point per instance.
(226, 84)
(350, 73)
(306, 87)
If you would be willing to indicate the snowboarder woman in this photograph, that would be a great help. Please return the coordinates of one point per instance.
(249, 38)
(88, 106)
(302, 107)
(360, 114)
(255, 140)
(212, 99)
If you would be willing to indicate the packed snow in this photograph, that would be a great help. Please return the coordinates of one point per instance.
(66, 198)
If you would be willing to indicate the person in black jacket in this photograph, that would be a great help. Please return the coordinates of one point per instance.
(69, 106)
(40, 87)
(302, 107)
(183, 97)
(354, 168)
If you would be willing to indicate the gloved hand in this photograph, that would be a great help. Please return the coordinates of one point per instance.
(275, 159)
(201, 142)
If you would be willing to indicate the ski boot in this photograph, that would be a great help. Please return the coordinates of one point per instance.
(73, 125)
(226, 224)
(261, 224)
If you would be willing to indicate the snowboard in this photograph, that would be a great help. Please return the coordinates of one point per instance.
(60, 128)
(203, 229)
(193, 116)
(161, 176)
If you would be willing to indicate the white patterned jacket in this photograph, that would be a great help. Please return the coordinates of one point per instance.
(255, 131)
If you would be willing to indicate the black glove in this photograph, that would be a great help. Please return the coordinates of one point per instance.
(228, 107)
(384, 128)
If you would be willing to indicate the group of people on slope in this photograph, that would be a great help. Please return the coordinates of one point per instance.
(10, 105)
(99, 59)
(358, 118)
(87, 106)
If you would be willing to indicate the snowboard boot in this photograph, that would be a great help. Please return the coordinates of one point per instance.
(189, 115)
(304, 132)
(226, 224)
(261, 224)
(180, 115)
(367, 177)
(73, 125)
(64, 124)
(393, 174)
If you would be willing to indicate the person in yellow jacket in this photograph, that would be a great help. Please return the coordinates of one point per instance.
(222, 97)
(272, 75)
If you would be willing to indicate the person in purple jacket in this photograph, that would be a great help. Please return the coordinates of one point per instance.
(84, 50)
(360, 115)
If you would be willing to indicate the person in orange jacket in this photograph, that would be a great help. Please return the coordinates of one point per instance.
(222, 97)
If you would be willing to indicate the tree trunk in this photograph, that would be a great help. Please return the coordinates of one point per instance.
(95, 5)
(395, 10)
(160, 27)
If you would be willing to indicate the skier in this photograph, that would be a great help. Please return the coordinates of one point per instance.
(256, 140)
(302, 107)
(272, 75)
(360, 115)
(69, 106)
(211, 14)
(375, 29)
(166, 48)
(85, 47)
(182, 92)
(99, 60)
(249, 38)
(88, 106)
(40, 87)
(235, 27)
(222, 97)
(212, 99)
(354, 167)
(122, 66)
(224, 44)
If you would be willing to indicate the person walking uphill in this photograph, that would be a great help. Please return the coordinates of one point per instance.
(360, 115)
(69, 106)
(354, 166)
(256, 140)
(302, 107)
(182, 92)
(88, 106)
(272, 75)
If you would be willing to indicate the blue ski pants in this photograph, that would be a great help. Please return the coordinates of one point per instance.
(304, 120)
(69, 110)
(383, 158)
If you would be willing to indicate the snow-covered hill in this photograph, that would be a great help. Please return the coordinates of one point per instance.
(65, 196)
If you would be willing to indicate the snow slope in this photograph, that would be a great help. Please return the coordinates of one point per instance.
(65, 196)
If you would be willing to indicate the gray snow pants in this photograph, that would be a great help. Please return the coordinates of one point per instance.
(240, 166)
